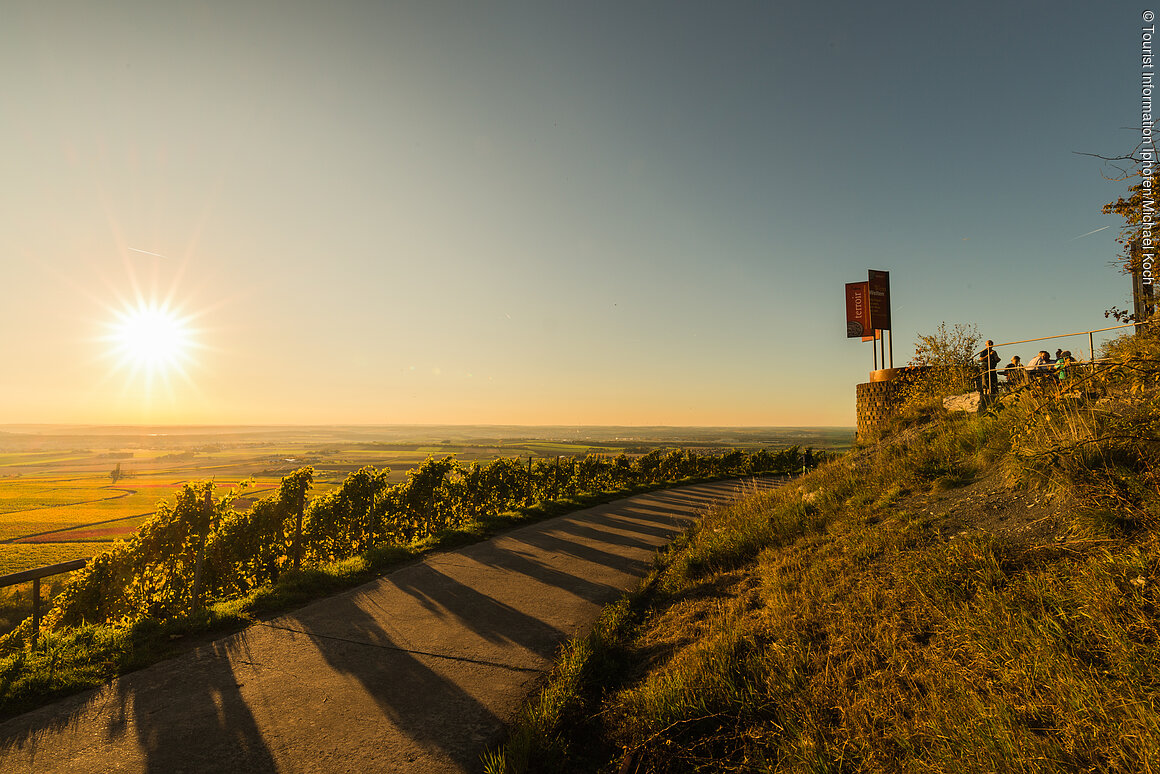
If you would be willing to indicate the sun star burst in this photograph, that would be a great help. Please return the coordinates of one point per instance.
(153, 339)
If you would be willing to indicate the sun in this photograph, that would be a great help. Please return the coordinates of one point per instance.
(151, 338)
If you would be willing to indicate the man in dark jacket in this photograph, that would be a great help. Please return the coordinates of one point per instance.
(988, 360)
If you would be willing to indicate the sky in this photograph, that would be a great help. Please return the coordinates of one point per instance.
(588, 213)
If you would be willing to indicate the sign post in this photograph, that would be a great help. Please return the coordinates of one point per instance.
(868, 313)
(879, 295)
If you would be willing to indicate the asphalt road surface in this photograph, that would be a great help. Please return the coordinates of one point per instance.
(418, 671)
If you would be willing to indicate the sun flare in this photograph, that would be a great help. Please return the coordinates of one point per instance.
(151, 338)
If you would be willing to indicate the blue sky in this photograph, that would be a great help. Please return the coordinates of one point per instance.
(567, 213)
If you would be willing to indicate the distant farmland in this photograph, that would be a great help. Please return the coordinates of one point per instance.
(67, 493)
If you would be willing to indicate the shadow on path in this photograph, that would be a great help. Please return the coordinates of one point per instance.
(490, 619)
(560, 545)
(526, 563)
(430, 710)
(166, 715)
(168, 734)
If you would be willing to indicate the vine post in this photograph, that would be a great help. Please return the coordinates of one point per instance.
(208, 520)
(298, 530)
(35, 611)
(556, 480)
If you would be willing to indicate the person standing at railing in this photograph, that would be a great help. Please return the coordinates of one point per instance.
(1061, 365)
(988, 359)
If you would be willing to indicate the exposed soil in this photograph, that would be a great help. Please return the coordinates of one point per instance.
(988, 506)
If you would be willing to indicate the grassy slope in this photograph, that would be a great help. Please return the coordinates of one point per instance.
(969, 595)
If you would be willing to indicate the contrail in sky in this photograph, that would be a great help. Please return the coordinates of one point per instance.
(159, 255)
(1081, 236)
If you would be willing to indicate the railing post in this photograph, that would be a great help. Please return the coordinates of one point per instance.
(35, 575)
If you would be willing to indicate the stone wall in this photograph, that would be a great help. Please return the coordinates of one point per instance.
(878, 401)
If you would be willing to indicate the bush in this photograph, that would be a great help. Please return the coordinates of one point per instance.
(945, 364)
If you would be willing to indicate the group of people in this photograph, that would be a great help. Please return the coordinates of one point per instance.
(1040, 366)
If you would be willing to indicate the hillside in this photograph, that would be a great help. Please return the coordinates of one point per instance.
(969, 594)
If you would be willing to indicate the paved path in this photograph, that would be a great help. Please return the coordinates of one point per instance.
(417, 671)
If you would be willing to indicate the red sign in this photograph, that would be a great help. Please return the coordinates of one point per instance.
(857, 309)
(876, 337)
(879, 300)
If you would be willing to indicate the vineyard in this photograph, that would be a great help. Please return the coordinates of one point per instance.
(201, 547)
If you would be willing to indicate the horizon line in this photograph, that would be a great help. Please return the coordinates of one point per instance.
(408, 424)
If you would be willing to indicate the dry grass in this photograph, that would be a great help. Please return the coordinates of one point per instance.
(857, 620)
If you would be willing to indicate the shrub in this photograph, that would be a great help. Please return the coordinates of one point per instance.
(945, 364)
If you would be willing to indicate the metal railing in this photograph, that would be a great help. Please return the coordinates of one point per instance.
(1089, 334)
(988, 377)
(35, 575)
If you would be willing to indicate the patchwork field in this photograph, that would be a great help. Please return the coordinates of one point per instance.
(67, 492)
